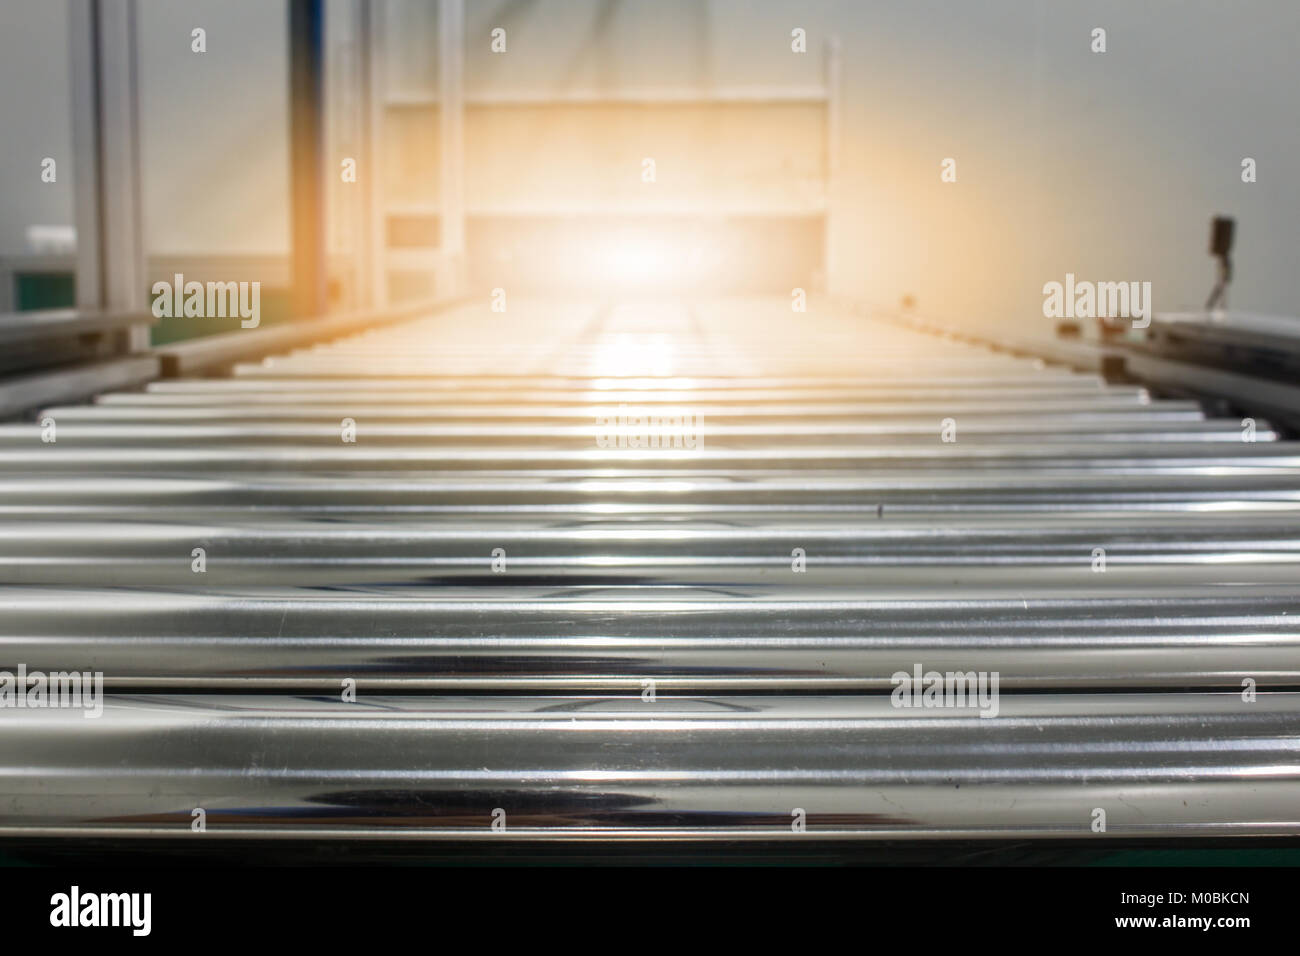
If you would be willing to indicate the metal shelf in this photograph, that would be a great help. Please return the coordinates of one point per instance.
(726, 96)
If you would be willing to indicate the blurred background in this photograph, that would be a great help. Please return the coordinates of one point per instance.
(660, 188)
(772, 169)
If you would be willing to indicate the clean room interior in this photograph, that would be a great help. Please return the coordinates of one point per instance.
(536, 430)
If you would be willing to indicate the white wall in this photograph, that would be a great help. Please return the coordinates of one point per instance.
(1105, 165)
(35, 120)
(215, 127)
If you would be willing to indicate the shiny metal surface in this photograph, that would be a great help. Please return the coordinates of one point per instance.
(1123, 563)
(581, 495)
(899, 431)
(1049, 632)
(280, 408)
(1032, 452)
(839, 550)
(1189, 765)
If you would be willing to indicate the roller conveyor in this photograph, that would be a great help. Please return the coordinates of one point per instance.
(594, 642)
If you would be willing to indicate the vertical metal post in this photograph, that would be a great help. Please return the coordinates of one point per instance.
(306, 156)
(370, 41)
(83, 55)
(451, 190)
(110, 266)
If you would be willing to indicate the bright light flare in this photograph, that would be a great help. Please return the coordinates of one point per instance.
(638, 261)
(630, 355)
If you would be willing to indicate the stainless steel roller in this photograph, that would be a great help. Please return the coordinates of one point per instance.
(1049, 633)
(1170, 456)
(578, 495)
(838, 550)
(565, 768)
